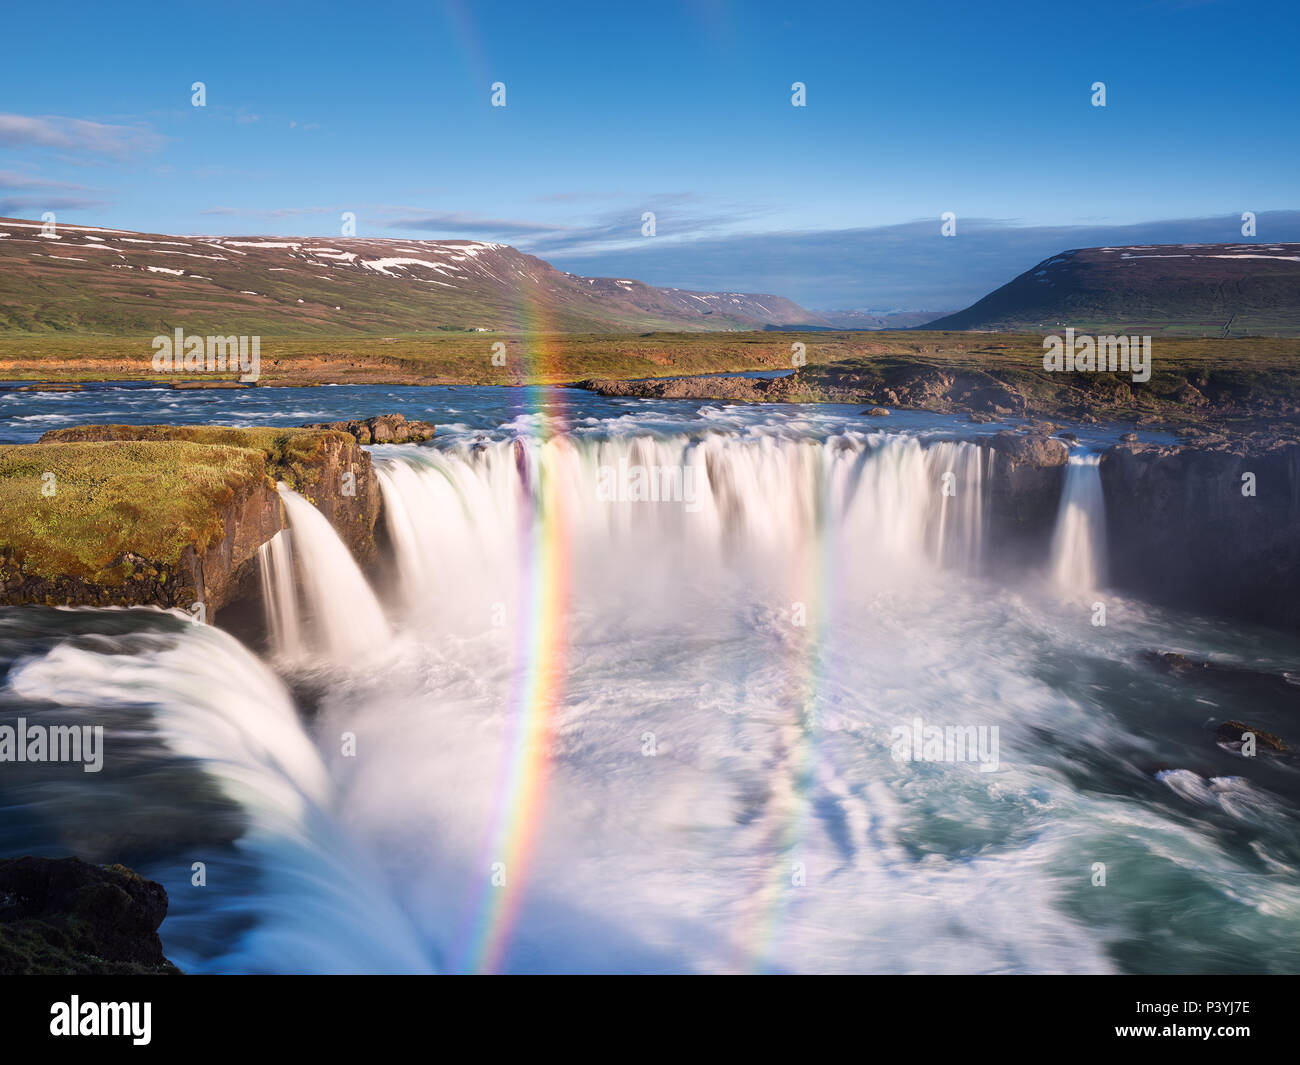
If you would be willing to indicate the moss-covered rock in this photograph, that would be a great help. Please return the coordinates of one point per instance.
(313, 462)
(119, 515)
(127, 522)
(295, 456)
(65, 916)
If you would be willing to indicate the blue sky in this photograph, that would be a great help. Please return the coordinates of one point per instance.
(680, 108)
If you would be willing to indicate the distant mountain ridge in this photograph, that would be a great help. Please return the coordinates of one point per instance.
(94, 280)
(86, 279)
(1183, 289)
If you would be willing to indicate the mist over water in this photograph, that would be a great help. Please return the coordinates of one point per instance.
(720, 792)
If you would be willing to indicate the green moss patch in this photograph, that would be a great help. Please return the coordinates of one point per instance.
(295, 456)
(75, 509)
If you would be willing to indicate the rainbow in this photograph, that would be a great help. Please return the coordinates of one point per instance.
(805, 693)
(462, 31)
(540, 656)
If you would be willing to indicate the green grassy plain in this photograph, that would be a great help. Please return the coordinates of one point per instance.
(461, 358)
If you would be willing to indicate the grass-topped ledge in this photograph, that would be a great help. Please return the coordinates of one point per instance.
(116, 515)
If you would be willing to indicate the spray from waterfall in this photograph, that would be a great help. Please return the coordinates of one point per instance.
(1078, 559)
(642, 515)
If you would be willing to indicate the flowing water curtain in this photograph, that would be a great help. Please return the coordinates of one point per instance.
(280, 596)
(345, 617)
(957, 530)
(901, 499)
(1078, 559)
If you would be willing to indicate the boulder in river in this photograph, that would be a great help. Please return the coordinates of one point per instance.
(381, 429)
(1235, 732)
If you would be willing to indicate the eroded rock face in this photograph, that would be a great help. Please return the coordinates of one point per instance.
(63, 915)
(341, 482)
(1034, 450)
(889, 386)
(228, 569)
(1184, 529)
(735, 389)
(1024, 493)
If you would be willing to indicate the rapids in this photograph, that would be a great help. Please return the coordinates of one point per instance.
(622, 699)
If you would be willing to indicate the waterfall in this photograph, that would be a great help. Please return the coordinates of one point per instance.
(280, 595)
(318, 905)
(1078, 561)
(959, 535)
(624, 658)
(345, 616)
(455, 515)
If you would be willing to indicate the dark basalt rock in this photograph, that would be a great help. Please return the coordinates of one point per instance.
(734, 389)
(1261, 687)
(1030, 449)
(1024, 492)
(1183, 531)
(65, 916)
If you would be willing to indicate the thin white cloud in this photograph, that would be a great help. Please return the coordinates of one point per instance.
(33, 206)
(268, 213)
(679, 217)
(908, 266)
(12, 179)
(463, 224)
(78, 135)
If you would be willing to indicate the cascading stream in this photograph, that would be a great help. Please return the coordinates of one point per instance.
(342, 611)
(1078, 559)
(280, 596)
(320, 907)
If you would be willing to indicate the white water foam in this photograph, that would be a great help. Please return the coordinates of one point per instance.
(771, 736)
(319, 907)
(455, 515)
